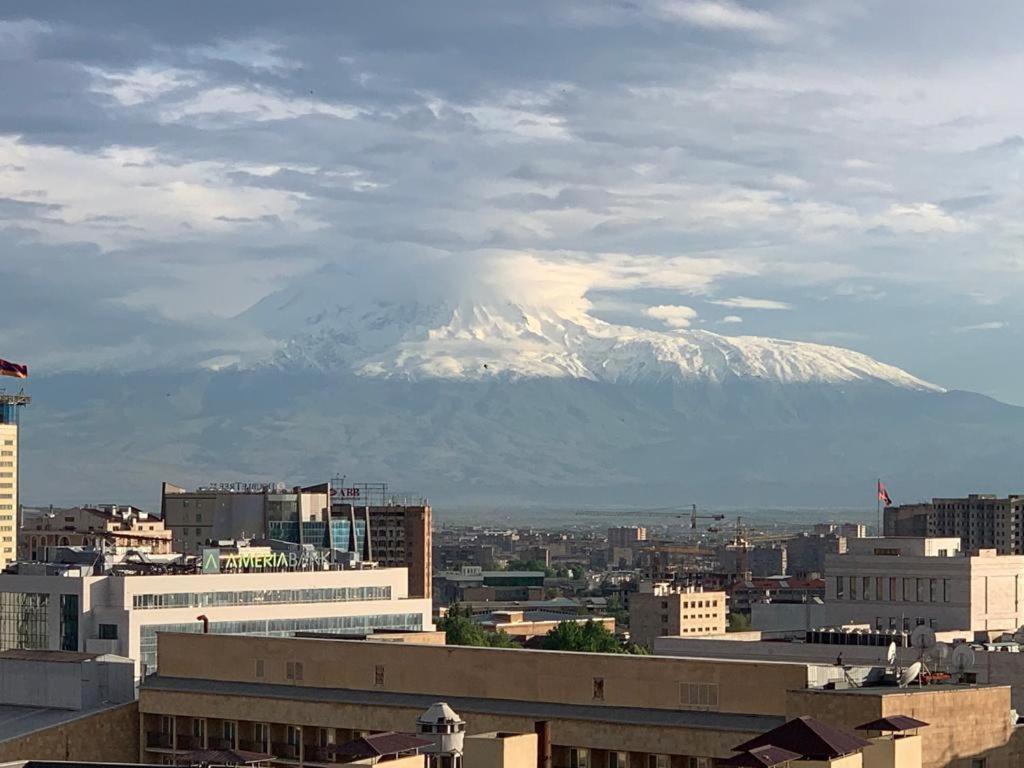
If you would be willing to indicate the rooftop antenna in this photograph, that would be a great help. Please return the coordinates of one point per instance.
(963, 658)
(910, 674)
(923, 639)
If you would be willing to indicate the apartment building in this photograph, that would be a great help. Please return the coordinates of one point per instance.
(107, 526)
(661, 608)
(900, 583)
(979, 520)
(291, 696)
(9, 500)
(399, 534)
(121, 609)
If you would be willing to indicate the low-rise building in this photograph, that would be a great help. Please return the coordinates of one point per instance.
(660, 608)
(120, 609)
(109, 526)
(600, 709)
(474, 584)
(900, 583)
(527, 624)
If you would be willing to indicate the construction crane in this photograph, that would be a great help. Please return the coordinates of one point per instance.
(657, 512)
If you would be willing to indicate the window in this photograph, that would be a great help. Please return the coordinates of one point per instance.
(294, 736)
(892, 589)
(259, 667)
(840, 581)
(946, 590)
(657, 761)
(979, 762)
(618, 759)
(579, 757)
(865, 584)
(878, 588)
(23, 620)
(107, 631)
(599, 688)
(853, 587)
(378, 674)
(229, 729)
(933, 590)
(293, 670)
(908, 590)
(699, 695)
(199, 730)
(261, 734)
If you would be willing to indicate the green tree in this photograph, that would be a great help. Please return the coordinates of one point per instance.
(460, 629)
(738, 622)
(589, 637)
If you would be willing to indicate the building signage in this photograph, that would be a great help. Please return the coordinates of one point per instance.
(214, 562)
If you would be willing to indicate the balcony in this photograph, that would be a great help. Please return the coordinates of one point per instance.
(252, 746)
(318, 754)
(157, 740)
(284, 751)
(220, 743)
(189, 742)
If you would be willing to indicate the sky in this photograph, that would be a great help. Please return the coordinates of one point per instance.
(843, 172)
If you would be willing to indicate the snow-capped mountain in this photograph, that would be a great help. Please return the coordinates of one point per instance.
(470, 341)
(493, 400)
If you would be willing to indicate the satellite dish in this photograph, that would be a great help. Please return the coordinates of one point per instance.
(923, 637)
(910, 674)
(963, 658)
(890, 655)
(941, 651)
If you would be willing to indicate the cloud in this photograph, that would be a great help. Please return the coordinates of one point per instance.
(731, 319)
(673, 315)
(720, 15)
(744, 302)
(994, 325)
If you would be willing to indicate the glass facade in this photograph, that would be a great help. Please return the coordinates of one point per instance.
(69, 622)
(340, 625)
(316, 532)
(259, 597)
(23, 620)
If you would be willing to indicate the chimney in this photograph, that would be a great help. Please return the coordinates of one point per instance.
(543, 730)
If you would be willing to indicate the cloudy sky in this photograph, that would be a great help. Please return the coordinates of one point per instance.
(842, 172)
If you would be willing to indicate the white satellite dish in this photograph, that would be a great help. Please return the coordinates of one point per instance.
(963, 658)
(923, 637)
(941, 651)
(910, 674)
(890, 655)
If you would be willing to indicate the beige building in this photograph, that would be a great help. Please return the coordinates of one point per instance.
(603, 710)
(9, 499)
(660, 609)
(526, 624)
(900, 583)
(110, 526)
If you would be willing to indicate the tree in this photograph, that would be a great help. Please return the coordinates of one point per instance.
(738, 622)
(460, 629)
(589, 637)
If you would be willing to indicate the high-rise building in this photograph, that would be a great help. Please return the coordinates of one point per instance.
(9, 441)
(626, 536)
(400, 533)
(979, 520)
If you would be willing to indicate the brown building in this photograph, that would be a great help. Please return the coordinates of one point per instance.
(979, 520)
(290, 695)
(122, 527)
(400, 537)
(660, 609)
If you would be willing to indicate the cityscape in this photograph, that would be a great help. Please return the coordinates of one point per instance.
(541, 385)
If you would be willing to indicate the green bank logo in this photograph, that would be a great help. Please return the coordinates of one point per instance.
(211, 561)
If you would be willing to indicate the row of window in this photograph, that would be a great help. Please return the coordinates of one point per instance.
(894, 589)
(579, 757)
(258, 597)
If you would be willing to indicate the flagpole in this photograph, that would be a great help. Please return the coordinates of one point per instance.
(878, 504)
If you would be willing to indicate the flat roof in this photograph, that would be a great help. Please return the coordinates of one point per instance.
(61, 657)
(17, 720)
(722, 721)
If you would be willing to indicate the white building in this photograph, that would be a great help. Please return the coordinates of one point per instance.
(44, 606)
(900, 583)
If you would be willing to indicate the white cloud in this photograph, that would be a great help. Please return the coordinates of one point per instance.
(994, 325)
(253, 103)
(254, 53)
(720, 14)
(731, 319)
(672, 315)
(141, 84)
(921, 218)
(745, 302)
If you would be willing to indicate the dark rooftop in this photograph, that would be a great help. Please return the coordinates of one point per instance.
(893, 723)
(381, 745)
(808, 737)
(767, 756)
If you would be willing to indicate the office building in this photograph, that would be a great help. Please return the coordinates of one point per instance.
(10, 405)
(289, 695)
(120, 608)
(110, 527)
(900, 583)
(660, 608)
(474, 584)
(979, 520)
(400, 534)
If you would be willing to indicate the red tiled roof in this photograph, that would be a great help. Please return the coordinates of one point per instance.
(893, 723)
(808, 737)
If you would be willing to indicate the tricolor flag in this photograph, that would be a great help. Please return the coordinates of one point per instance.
(13, 369)
(883, 494)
